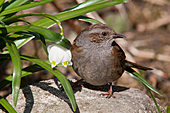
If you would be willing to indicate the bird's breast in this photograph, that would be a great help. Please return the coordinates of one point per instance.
(96, 66)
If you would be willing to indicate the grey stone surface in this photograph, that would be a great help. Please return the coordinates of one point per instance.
(46, 97)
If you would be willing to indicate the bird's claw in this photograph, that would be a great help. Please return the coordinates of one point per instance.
(108, 95)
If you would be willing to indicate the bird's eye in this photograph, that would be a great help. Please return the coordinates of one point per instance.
(104, 33)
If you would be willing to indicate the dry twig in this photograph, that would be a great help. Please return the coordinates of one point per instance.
(157, 2)
(154, 25)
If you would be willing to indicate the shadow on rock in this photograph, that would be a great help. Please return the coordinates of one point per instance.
(58, 92)
(29, 99)
(101, 88)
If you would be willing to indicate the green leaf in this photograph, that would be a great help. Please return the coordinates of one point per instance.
(16, 62)
(153, 98)
(66, 85)
(60, 40)
(19, 43)
(74, 12)
(50, 36)
(16, 3)
(87, 19)
(85, 4)
(7, 105)
(11, 29)
(23, 7)
(14, 18)
(1, 2)
(168, 109)
(11, 19)
(137, 76)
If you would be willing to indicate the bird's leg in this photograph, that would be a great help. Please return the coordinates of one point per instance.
(110, 92)
(76, 84)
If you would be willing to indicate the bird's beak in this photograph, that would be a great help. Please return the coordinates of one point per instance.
(119, 36)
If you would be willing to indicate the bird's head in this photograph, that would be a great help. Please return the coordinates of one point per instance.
(97, 34)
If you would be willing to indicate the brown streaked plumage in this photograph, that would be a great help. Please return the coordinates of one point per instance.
(97, 58)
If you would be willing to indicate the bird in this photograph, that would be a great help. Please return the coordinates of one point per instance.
(98, 59)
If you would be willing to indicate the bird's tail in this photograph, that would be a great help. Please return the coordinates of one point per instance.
(129, 64)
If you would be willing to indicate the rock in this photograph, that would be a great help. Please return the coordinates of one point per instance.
(46, 97)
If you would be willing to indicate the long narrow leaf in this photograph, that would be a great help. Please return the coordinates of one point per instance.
(1, 2)
(148, 87)
(87, 19)
(16, 61)
(16, 3)
(85, 4)
(74, 13)
(137, 76)
(7, 105)
(23, 7)
(153, 98)
(11, 29)
(66, 85)
(50, 36)
(19, 43)
(168, 109)
(13, 18)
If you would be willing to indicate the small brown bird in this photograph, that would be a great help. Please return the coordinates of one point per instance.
(97, 58)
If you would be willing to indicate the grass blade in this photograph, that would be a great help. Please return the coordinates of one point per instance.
(87, 19)
(74, 13)
(13, 18)
(49, 35)
(23, 7)
(16, 62)
(1, 2)
(137, 76)
(148, 87)
(16, 3)
(168, 109)
(7, 105)
(153, 98)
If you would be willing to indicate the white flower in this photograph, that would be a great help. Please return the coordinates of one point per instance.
(58, 54)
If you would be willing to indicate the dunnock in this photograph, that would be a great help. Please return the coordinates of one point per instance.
(97, 58)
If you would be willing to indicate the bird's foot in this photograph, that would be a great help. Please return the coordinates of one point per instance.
(109, 94)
